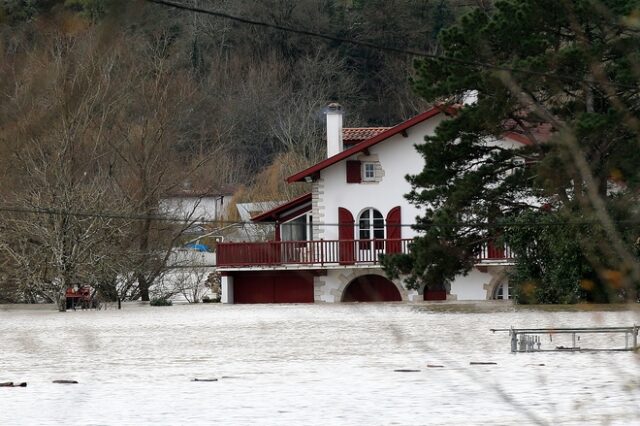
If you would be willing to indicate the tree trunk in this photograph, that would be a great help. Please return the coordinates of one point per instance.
(62, 300)
(143, 283)
(143, 286)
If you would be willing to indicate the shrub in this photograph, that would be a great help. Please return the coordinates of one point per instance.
(160, 302)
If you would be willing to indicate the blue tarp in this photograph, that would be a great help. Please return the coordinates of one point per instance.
(198, 247)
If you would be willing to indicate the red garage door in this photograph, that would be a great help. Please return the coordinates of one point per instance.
(437, 292)
(273, 287)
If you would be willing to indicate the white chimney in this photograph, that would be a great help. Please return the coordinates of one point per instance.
(334, 129)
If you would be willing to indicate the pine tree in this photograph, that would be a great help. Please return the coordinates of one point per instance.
(564, 74)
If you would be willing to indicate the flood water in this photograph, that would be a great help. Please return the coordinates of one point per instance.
(307, 365)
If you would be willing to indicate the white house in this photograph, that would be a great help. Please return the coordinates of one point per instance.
(197, 205)
(327, 243)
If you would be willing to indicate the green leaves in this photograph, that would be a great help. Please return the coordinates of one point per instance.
(582, 57)
(564, 259)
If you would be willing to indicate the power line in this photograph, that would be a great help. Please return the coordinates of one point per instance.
(196, 221)
(374, 46)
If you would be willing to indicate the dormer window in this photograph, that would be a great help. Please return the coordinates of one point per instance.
(368, 171)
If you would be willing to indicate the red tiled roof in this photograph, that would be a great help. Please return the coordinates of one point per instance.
(352, 135)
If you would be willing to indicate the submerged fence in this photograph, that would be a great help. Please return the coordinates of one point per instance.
(531, 339)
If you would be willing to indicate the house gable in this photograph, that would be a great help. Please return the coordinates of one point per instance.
(391, 161)
(401, 129)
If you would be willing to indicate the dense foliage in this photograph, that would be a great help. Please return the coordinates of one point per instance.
(564, 75)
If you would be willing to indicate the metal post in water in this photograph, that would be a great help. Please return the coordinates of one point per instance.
(530, 339)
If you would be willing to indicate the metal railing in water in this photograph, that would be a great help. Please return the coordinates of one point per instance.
(531, 339)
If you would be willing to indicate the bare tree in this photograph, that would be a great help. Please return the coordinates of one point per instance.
(64, 97)
(144, 160)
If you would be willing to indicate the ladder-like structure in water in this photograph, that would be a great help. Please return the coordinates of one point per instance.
(531, 339)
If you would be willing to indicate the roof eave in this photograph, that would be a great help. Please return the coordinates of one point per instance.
(273, 214)
(434, 111)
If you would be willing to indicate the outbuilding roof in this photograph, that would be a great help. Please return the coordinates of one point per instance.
(295, 206)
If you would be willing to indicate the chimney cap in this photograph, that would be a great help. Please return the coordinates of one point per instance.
(334, 107)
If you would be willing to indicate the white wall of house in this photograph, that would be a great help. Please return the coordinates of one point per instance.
(476, 285)
(226, 285)
(472, 286)
(398, 157)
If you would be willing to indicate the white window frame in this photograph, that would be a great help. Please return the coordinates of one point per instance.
(371, 228)
(504, 291)
(308, 225)
(371, 168)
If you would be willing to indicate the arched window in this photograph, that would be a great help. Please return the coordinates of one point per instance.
(503, 291)
(371, 227)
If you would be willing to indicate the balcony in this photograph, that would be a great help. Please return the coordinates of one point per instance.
(321, 253)
(492, 253)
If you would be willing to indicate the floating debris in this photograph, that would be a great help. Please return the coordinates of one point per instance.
(13, 385)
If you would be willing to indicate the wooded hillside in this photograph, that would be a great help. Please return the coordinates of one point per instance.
(259, 91)
(107, 105)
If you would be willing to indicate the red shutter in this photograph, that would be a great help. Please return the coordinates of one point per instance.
(354, 173)
(394, 230)
(345, 235)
